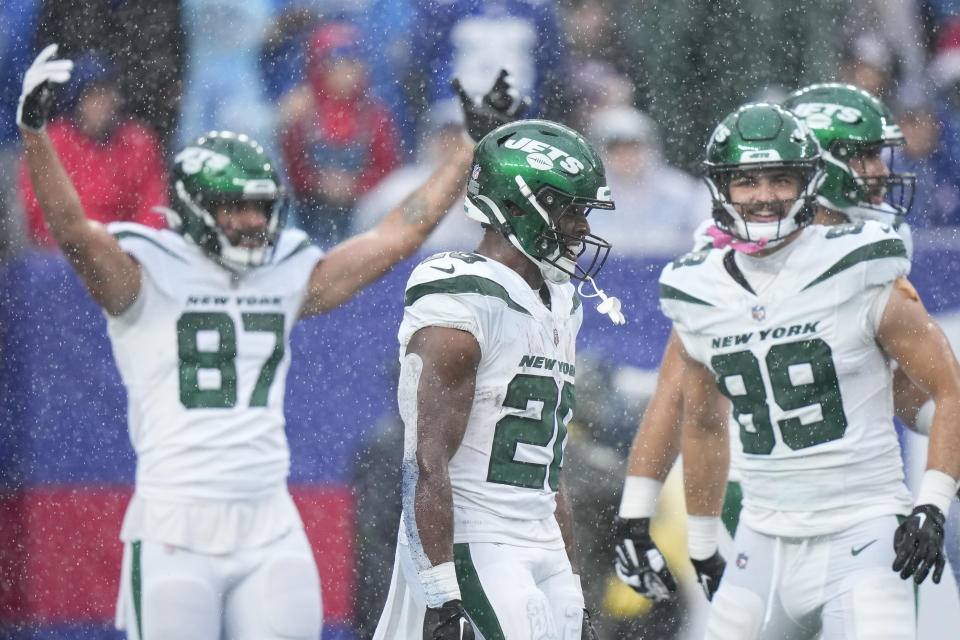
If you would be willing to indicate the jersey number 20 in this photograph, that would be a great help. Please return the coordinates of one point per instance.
(555, 410)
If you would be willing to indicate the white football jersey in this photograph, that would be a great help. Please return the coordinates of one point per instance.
(505, 473)
(810, 387)
(204, 356)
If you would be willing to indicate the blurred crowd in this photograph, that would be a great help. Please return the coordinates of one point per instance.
(353, 98)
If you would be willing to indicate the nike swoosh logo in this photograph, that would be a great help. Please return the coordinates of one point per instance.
(450, 270)
(854, 551)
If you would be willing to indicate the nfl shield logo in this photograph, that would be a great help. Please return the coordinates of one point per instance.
(556, 338)
(758, 312)
(476, 171)
(742, 561)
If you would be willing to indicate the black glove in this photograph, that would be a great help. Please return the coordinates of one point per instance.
(447, 622)
(502, 104)
(639, 563)
(709, 572)
(918, 542)
(587, 632)
(36, 99)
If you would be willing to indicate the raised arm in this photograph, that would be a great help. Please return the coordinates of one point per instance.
(910, 335)
(362, 259)
(111, 276)
(355, 263)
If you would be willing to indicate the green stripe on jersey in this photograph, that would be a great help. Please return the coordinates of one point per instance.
(120, 235)
(462, 284)
(576, 303)
(136, 585)
(666, 291)
(475, 601)
(892, 248)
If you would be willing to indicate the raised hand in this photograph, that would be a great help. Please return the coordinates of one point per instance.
(36, 99)
(500, 105)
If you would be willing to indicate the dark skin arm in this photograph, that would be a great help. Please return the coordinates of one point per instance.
(110, 275)
(564, 515)
(445, 396)
(362, 259)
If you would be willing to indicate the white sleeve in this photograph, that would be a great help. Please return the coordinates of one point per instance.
(440, 310)
(873, 311)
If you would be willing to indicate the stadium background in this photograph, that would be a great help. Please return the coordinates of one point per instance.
(66, 465)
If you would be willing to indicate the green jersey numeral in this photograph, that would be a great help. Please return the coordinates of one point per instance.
(802, 374)
(223, 358)
(525, 392)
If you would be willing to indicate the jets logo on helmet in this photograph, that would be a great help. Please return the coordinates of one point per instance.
(851, 126)
(527, 175)
(759, 137)
(221, 168)
(193, 159)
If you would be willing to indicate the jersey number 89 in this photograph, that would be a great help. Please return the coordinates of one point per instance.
(801, 375)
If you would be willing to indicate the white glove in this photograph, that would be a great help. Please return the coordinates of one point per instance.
(36, 100)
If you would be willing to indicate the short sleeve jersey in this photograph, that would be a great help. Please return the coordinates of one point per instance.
(505, 474)
(811, 390)
(204, 356)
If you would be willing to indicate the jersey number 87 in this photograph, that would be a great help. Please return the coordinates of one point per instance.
(223, 358)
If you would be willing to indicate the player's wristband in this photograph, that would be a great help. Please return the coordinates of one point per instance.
(440, 584)
(702, 536)
(937, 488)
(640, 495)
(925, 417)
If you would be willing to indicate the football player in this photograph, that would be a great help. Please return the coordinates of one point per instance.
(797, 335)
(859, 133)
(485, 544)
(199, 316)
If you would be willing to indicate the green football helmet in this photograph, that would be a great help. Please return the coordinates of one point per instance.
(851, 123)
(762, 136)
(224, 167)
(526, 176)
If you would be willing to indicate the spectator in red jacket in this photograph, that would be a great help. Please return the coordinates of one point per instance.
(115, 162)
(342, 142)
